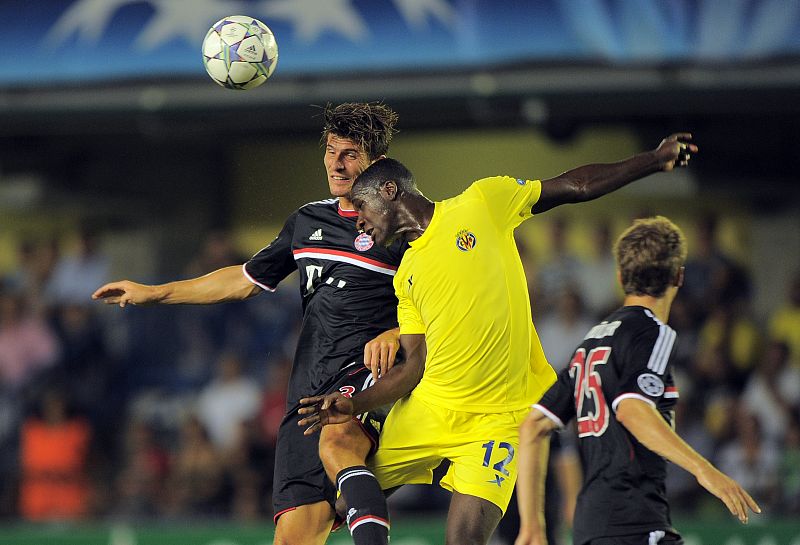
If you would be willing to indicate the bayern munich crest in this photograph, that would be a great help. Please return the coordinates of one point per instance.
(465, 240)
(363, 242)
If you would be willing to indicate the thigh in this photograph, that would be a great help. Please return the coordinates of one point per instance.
(471, 520)
(299, 478)
(483, 456)
(409, 447)
(305, 525)
(351, 381)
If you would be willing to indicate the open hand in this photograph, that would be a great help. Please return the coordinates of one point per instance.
(322, 410)
(125, 292)
(676, 150)
(735, 498)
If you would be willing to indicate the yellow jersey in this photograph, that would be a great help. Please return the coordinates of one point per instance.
(462, 285)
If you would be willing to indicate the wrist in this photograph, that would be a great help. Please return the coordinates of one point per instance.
(701, 466)
(160, 293)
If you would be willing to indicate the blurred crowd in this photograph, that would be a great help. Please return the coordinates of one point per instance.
(172, 412)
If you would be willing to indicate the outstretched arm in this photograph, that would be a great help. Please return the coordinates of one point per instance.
(226, 284)
(334, 408)
(592, 181)
(534, 449)
(650, 429)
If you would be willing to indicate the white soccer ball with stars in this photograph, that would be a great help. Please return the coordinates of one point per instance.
(240, 52)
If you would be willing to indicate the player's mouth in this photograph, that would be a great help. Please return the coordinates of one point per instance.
(335, 178)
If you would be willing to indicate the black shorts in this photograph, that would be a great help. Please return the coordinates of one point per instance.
(658, 537)
(299, 477)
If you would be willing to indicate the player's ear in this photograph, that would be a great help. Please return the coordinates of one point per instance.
(389, 190)
(679, 277)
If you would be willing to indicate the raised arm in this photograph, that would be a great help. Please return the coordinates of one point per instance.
(334, 408)
(650, 429)
(534, 450)
(592, 181)
(226, 284)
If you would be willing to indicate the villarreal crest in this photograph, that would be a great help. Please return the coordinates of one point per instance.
(465, 240)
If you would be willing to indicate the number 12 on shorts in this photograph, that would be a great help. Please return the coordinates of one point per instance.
(500, 466)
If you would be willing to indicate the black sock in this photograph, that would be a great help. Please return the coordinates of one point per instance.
(367, 514)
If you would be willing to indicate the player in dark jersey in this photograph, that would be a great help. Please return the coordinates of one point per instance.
(349, 312)
(619, 388)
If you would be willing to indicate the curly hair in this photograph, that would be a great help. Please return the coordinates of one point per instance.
(649, 256)
(369, 124)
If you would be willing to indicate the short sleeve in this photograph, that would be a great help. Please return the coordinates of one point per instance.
(644, 372)
(558, 403)
(509, 199)
(272, 264)
(408, 316)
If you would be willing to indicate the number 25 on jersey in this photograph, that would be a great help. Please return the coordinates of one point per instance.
(590, 404)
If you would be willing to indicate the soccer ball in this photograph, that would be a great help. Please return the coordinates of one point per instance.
(240, 52)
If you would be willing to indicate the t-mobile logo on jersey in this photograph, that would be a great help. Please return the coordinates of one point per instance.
(315, 272)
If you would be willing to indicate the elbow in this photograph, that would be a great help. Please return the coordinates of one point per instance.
(534, 429)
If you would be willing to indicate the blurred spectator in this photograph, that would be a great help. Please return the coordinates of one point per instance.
(53, 455)
(250, 464)
(728, 346)
(750, 460)
(35, 263)
(561, 270)
(707, 267)
(599, 274)
(561, 331)
(785, 322)
(227, 401)
(85, 365)
(273, 401)
(218, 251)
(789, 470)
(76, 276)
(196, 484)
(27, 343)
(140, 482)
(682, 321)
(772, 393)
(682, 485)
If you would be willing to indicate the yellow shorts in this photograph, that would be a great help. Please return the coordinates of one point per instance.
(481, 448)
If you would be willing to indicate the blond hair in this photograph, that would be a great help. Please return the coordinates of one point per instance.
(649, 255)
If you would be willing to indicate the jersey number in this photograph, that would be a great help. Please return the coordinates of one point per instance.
(500, 466)
(590, 403)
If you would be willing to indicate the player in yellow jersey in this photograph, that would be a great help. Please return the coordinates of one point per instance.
(472, 356)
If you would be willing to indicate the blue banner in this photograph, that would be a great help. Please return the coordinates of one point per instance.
(51, 41)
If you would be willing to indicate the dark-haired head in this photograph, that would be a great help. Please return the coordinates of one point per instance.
(384, 196)
(370, 125)
(380, 172)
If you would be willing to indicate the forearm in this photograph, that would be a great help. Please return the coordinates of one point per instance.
(534, 452)
(226, 284)
(393, 385)
(652, 431)
(595, 180)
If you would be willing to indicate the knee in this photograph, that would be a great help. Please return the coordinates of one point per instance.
(343, 445)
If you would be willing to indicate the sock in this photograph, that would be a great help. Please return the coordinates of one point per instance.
(367, 514)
